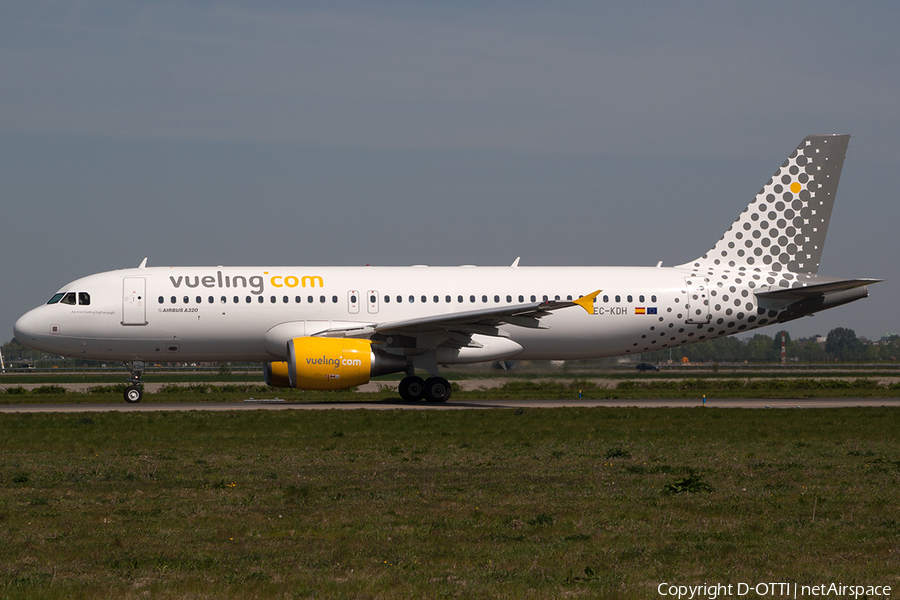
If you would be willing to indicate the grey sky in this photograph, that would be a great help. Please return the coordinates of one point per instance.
(440, 133)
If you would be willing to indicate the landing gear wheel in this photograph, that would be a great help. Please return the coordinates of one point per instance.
(133, 394)
(412, 388)
(437, 389)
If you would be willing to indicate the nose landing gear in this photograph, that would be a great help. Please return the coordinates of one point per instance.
(134, 392)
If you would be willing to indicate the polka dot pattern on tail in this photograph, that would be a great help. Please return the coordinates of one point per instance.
(783, 229)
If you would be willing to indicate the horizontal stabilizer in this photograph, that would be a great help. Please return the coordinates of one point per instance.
(814, 290)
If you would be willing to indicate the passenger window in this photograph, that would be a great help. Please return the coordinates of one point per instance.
(353, 298)
(569, 297)
(652, 298)
(372, 298)
(272, 299)
(84, 299)
(618, 298)
(533, 298)
(447, 299)
(334, 299)
(412, 298)
(630, 299)
(322, 299)
(298, 299)
(57, 297)
(424, 299)
(211, 299)
(260, 299)
(546, 298)
(496, 298)
(249, 299)
(387, 299)
(309, 299)
(173, 299)
(285, 299)
(484, 298)
(69, 298)
(459, 299)
(399, 299)
(437, 299)
(199, 300)
(606, 298)
(223, 300)
(186, 299)
(641, 298)
(237, 299)
(471, 298)
(509, 298)
(161, 300)
(556, 297)
(521, 298)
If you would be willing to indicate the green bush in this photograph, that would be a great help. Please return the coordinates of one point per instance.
(49, 389)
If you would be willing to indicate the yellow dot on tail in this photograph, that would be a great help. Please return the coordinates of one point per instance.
(795, 187)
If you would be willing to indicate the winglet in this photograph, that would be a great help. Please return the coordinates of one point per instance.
(587, 302)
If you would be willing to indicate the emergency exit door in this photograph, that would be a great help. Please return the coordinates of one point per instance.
(697, 299)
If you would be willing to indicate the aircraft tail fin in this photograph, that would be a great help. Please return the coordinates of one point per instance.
(784, 227)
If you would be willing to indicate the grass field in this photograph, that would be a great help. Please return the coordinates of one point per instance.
(534, 503)
(558, 388)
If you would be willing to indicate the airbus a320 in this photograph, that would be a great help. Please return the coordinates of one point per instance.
(327, 328)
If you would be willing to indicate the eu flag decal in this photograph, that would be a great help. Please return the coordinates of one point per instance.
(651, 310)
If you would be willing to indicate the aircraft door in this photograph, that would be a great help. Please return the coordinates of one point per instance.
(353, 302)
(372, 301)
(134, 301)
(697, 299)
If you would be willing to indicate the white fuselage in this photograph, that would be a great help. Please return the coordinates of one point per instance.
(225, 313)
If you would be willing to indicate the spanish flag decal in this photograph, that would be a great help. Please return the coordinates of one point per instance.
(640, 310)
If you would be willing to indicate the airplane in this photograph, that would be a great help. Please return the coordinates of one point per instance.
(327, 328)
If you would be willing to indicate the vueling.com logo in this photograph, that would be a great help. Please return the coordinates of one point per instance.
(255, 283)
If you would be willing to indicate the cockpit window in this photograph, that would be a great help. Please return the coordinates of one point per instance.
(69, 298)
(56, 298)
(84, 299)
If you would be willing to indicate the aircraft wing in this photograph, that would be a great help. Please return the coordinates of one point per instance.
(483, 320)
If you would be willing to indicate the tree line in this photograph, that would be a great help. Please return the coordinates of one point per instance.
(841, 345)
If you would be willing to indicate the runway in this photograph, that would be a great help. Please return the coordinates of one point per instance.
(275, 404)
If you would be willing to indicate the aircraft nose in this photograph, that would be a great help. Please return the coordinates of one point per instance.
(28, 327)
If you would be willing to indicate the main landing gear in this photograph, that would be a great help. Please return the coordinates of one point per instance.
(134, 392)
(433, 389)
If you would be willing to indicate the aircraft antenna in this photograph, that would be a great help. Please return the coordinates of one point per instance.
(516, 262)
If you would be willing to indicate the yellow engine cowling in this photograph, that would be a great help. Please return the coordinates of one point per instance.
(276, 374)
(330, 364)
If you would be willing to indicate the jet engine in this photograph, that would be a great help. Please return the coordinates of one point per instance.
(316, 363)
